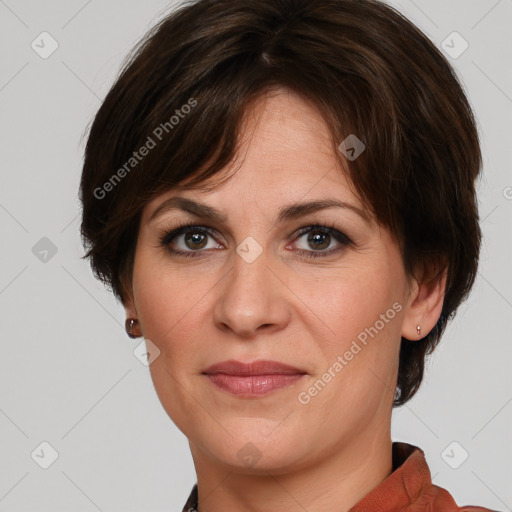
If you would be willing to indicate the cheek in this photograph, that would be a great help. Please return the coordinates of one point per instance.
(167, 299)
(363, 313)
(168, 308)
(351, 303)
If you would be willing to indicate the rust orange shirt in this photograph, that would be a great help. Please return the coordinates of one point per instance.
(409, 488)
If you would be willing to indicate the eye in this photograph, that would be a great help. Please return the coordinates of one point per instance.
(320, 237)
(192, 241)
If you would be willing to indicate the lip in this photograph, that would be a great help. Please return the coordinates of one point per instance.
(252, 379)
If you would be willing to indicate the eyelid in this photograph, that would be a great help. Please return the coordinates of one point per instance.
(318, 223)
(338, 233)
(212, 225)
(182, 228)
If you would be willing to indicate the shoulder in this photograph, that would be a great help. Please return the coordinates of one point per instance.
(412, 469)
(476, 509)
(443, 500)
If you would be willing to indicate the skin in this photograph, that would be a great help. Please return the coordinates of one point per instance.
(331, 452)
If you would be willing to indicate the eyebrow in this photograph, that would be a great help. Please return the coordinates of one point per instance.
(292, 211)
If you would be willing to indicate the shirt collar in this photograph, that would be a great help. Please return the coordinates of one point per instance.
(409, 483)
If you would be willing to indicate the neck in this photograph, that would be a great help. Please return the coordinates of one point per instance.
(336, 481)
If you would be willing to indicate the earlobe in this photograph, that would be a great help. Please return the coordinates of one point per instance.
(132, 324)
(132, 328)
(425, 309)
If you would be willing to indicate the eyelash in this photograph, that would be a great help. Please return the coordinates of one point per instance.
(185, 228)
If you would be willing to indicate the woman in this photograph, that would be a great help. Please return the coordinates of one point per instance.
(282, 195)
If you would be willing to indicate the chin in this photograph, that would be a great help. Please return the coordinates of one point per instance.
(256, 446)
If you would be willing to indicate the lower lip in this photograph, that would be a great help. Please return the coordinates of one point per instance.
(253, 385)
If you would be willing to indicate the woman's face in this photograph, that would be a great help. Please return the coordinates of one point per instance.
(248, 288)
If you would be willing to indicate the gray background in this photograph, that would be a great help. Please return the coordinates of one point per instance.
(67, 372)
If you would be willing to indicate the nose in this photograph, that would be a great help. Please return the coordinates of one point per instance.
(251, 298)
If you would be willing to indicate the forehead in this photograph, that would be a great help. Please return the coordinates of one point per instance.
(282, 130)
(285, 154)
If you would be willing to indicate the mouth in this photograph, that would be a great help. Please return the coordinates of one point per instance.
(253, 379)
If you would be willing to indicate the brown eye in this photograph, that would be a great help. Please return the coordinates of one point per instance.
(320, 238)
(191, 241)
(196, 239)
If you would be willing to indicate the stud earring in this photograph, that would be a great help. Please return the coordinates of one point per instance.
(418, 330)
(131, 326)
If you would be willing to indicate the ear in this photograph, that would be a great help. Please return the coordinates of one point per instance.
(127, 296)
(129, 307)
(133, 328)
(425, 305)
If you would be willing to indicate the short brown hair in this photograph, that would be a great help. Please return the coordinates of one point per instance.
(367, 69)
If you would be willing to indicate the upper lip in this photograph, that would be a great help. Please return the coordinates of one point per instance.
(233, 367)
